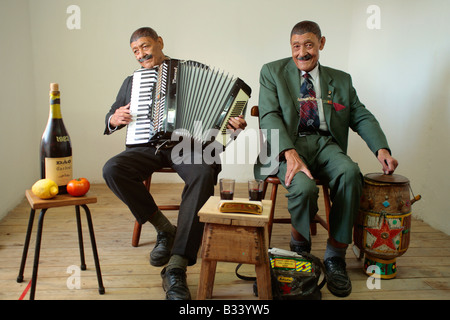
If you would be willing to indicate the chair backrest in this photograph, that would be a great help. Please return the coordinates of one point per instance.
(254, 111)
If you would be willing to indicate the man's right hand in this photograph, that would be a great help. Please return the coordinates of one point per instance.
(121, 116)
(294, 165)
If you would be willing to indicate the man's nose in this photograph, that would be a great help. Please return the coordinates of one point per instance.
(302, 52)
(140, 54)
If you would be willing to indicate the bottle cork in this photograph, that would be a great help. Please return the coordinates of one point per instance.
(54, 87)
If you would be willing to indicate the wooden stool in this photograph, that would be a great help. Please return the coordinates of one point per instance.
(232, 237)
(58, 201)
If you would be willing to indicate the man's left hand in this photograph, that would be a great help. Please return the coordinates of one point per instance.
(387, 161)
(236, 123)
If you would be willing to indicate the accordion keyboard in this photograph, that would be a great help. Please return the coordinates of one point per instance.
(141, 128)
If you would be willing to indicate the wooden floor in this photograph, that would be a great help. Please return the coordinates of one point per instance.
(423, 271)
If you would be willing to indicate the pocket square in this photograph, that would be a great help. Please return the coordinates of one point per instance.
(338, 106)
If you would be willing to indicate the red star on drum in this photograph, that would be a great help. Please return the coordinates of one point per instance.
(384, 235)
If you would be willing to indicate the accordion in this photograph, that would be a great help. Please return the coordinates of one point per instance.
(184, 99)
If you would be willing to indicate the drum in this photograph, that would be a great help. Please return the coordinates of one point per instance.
(383, 227)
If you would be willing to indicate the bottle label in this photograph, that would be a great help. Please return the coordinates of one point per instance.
(59, 170)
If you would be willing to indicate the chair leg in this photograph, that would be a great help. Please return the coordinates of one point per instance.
(137, 226)
(326, 198)
(313, 228)
(273, 198)
(136, 234)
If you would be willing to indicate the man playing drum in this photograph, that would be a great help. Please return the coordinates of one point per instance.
(313, 107)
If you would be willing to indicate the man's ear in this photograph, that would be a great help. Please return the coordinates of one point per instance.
(161, 42)
(322, 43)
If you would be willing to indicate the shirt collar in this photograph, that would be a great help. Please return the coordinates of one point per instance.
(314, 73)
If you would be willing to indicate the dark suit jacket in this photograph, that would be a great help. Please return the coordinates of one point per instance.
(279, 109)
(123, 98)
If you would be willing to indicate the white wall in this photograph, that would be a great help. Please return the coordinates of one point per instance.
(402, 73)
(396, 70)
(19, 140)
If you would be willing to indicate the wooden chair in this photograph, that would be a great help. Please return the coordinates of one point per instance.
(137, 225)
(273, 196)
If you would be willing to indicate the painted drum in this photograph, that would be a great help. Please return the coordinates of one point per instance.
(383, 227)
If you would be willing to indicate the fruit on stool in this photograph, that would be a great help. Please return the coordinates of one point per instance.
(45, 188)
(78, 187)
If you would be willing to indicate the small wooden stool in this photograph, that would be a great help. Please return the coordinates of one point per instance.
(58, 201)
(233, 237)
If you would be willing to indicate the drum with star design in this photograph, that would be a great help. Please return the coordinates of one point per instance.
(383, 227)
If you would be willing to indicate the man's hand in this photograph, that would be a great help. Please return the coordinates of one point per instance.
(121, 116)
(236, 123)
(387, 161)
(294, 165)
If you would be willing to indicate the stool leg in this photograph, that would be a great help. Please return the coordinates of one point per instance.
(80, 238)
(37, 253)
(262, 269)
(206, 281)
(101, 288)
(25, 246)
(263, 281)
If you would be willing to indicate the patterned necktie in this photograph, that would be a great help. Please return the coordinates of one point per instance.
(309, 115)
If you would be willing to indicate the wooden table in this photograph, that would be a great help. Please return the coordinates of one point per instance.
(58, 201)
(234, 237)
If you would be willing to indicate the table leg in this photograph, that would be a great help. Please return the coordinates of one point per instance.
(80, 238)
(36, 253)
(206, 281)
(101, 288)
(262, 268)
(263, 281)
(25, 246)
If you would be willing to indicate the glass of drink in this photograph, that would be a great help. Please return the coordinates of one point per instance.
(255, 190)
(226, 189)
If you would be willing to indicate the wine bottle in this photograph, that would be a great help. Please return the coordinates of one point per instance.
(56, 149)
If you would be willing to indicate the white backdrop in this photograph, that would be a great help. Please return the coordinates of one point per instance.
(396, 51)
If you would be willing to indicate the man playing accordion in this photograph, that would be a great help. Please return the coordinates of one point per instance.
(175, 246)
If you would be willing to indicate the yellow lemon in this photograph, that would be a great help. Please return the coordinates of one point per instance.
(45, 188)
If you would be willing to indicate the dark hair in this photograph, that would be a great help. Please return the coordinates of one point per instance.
(305, 27)
(143, 32)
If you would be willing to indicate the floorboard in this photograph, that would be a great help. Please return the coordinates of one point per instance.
(423, 271)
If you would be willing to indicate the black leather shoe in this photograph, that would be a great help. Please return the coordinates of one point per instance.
(300, 248)
(338, 281)
(160, 254)
(174, 284)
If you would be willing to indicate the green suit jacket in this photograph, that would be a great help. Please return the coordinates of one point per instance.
(279, 109)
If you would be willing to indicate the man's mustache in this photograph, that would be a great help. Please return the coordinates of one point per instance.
(306, 57)
(147, 57)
